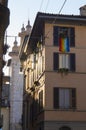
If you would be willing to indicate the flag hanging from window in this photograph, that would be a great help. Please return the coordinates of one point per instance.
(64, 44)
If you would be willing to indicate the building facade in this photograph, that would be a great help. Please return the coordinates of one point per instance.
(55, 73)
(24, 36)
(4, 22)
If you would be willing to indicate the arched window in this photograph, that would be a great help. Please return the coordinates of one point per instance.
(65, 128)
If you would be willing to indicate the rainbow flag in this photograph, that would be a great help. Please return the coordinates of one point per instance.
(64, 44)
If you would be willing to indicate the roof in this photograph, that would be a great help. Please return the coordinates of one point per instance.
(41, 18)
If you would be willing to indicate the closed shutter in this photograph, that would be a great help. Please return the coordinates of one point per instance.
(55, 61)
(74, 98)
(56, 98)
(55, 36)
(72, 62)
(72, 37)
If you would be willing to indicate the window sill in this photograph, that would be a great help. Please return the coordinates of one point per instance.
(63, 70)
(65, 109)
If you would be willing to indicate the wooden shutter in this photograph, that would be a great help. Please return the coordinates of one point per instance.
(72, 62)
(74, 98)
(55, 61)
(72, 37)
(55, 36)
(56, 98)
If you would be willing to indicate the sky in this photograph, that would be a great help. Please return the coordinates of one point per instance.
(23, 10)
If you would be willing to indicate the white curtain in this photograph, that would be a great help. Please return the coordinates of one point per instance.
(64, 98)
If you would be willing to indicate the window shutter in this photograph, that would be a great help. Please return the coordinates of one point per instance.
(56, 98)
(73, 98)
(55, 36)
(72, 37)
(55, 61)
(72, 62)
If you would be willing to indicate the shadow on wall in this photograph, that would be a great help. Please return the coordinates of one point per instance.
(32, 110)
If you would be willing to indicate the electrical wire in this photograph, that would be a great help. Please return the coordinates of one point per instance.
(41, 5)
(57, 14)
(62, 6)
(56, 17)
(47, 5)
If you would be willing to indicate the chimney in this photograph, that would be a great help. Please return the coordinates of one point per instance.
(83, 10)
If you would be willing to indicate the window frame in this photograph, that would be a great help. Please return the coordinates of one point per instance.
(71, 64)
(70, 34)
(40, 100)
(56, 97)
(64, 61)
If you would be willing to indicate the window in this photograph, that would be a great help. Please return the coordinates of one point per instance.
(64, 98)
(40, 65)
(64, 37)
(64, 61)
(25, 81)
(32, 61)
(40, 100)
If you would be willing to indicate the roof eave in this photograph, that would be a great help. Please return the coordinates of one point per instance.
(56, 18)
